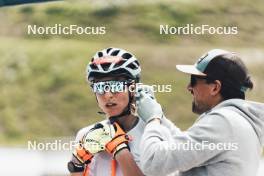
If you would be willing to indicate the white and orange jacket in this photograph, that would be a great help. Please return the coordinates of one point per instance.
(102, 163)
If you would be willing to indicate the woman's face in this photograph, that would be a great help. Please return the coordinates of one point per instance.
(112, 104)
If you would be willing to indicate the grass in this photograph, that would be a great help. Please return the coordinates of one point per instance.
(44, 93)
(42, 78)
(141, 21)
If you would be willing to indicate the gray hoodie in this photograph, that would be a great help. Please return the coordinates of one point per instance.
(227, 140)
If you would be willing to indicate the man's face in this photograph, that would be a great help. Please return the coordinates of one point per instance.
(200, 89)
(112, 104)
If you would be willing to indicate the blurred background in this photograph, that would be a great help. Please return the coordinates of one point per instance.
(43, 92)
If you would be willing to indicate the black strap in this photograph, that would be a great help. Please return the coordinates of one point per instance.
(126, 111)
(74, 167)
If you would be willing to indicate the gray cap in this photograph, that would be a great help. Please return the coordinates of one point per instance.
(199, 67)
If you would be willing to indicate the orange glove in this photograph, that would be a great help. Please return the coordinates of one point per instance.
(80, 158)
(90, 144)
(82, 155)
(118, 142)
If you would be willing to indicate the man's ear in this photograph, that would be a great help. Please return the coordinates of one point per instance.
(216, 87)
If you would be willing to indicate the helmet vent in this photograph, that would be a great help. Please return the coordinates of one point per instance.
(94, 67)
(137, 63)
(126, 56)
(108, 50)
(132, 66)
(121, 62)
(115, 53)
(106, 66)
(100, 54)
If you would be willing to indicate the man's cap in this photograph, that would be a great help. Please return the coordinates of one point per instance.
(217, 64)
(199, 67)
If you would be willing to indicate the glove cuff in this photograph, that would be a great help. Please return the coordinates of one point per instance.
(119, 148)
(83, 156)
(113, 145)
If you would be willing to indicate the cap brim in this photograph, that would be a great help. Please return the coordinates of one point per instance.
(189, 69)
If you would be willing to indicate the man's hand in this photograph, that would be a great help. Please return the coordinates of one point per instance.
(147, 89)
(147, 107)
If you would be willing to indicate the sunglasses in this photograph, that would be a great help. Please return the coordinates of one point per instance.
(194, 79)
(102, 87)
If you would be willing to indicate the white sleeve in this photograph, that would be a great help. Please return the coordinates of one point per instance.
(161, 153)
(171, 126)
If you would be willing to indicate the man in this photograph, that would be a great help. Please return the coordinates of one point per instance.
(227, 137)
(111, 147)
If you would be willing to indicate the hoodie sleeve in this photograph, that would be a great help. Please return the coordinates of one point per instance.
(166, 149)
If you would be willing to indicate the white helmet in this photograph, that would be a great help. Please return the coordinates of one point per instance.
(113, 62)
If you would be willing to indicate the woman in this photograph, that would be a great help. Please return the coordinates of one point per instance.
(112, 74)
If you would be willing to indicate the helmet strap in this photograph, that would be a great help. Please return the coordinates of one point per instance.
(125, 112)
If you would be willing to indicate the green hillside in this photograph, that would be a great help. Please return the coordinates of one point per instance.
(140, 22)
(42, 78)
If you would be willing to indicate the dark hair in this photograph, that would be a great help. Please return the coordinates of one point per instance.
(232, 73)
